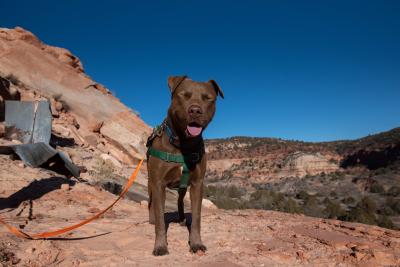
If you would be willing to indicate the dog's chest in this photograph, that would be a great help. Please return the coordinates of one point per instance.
(174, 177)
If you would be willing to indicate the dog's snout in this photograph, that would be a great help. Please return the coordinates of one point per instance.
(195, 110)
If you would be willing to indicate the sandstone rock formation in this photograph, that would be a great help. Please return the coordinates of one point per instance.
(300, 164)
(269, 159)
(59, 75)
(259, 160)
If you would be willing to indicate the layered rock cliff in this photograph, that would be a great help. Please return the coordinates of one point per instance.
(40, 70)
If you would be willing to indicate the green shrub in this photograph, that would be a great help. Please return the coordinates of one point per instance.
(311, 207)
(311, 200)
(380, 171)
(332, 209)
(384, 221)
(224, 202)
(231, 191)
(367, 204)
(291, 206)
(226, 197)
(348, 200)
(209, 191)
(377, 188)
(362, 216)
(364, 212)
(394, 191)
(333, 194)
(394, 204)
(302, 195)
(388, 211)
(271, 200)
(234, 192)
(263, 199)
(103, 170)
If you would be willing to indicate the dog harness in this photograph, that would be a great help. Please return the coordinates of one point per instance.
(176, 158)
(166, 156)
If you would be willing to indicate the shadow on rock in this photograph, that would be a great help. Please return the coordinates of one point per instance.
(173, 217)
(34, 190)
(373, 159)
(56, 140)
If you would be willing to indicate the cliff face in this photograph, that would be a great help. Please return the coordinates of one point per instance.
(270, 159)
(40, 70)
(353, 180)
(259, 160)
(301, 164)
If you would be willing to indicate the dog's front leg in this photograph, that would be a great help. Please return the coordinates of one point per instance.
(181, 208)
(196, 196)
(158, 203)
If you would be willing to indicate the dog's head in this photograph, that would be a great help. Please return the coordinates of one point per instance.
(193, 104)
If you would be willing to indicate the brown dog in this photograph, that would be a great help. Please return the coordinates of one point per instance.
(192, 109)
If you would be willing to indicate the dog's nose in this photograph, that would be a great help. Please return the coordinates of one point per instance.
(195, 110)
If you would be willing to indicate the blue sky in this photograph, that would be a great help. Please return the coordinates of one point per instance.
(305, 70)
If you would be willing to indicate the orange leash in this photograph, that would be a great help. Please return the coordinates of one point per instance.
(20, 233)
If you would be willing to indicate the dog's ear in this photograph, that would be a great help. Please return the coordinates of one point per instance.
(174, 82)
(216, 88)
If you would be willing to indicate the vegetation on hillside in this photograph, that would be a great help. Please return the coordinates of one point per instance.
(243, 147)
(366, 189)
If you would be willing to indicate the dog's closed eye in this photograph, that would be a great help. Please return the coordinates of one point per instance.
(207, 97)
(185, 95)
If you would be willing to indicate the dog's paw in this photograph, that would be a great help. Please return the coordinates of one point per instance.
(197, 247)
(160, 251)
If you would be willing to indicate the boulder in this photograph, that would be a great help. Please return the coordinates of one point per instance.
(118, 153)
(61, 130)
(91, 140)
(112, 160)
(129, 136)
(95, 126)
(208, 204)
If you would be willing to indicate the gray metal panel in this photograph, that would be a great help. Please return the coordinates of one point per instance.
(26, 124)
(30, 122)
(34, 155)
(42, 125)
(19, 120)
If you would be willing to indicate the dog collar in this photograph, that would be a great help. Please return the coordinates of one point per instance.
(191, 157)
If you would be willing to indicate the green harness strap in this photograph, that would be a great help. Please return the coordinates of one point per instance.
(176, 158)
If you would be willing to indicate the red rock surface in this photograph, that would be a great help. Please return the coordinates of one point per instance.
(123, 236)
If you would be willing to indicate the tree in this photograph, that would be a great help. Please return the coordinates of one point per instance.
(332, 209)
(377, 188)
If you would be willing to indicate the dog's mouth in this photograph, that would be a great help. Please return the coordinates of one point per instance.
(194, 129)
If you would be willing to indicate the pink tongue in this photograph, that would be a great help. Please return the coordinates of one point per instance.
(194, 131)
